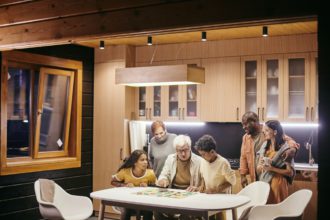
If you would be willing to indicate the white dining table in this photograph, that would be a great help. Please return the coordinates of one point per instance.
(197, 204)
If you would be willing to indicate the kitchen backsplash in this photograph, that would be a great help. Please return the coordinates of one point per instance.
(229, 138)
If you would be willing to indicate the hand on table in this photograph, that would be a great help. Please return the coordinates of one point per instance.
(162, 183)
(192, 189)
(143, 184)
(129, 185)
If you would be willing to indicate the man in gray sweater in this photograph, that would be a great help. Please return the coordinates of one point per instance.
(161, 145)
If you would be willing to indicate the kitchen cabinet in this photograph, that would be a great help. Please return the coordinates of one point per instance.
(262, 86)
(182, 102)
(314, 94)
(300, 92)
(222, 90)
(281, 87)
(150, 102)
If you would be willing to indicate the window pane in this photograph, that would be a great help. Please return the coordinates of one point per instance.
(54, 110)
(18, 111)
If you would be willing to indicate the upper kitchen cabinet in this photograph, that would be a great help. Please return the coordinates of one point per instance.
(282, 87)
(251, 85)
(300, 87)
(272, 87)
(222, 91)
(150, 103)
(182, 102)
(314, 94)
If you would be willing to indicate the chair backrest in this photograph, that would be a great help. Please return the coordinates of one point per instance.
(64, 205)
(47, 210)
(296, 203)
(257, 191)
(293, 206)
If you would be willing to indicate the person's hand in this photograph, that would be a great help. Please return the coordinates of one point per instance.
(143, 184)
(192, 189)
(162, 183)
(244, 181)
(289, 154)
(129, 185)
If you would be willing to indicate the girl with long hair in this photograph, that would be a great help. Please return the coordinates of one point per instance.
(134, 171)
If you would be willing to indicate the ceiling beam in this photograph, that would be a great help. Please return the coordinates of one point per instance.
(51, 24)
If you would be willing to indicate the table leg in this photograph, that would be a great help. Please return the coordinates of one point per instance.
(205, 216)
(234, 213)
(101, 211)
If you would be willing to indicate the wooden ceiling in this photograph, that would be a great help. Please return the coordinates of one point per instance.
(304, 27)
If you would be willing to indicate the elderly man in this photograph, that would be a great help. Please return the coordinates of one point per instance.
(251, 143)
(181, 169)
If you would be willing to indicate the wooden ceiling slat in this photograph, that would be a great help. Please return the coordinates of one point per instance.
(61, 22)
(20, 13)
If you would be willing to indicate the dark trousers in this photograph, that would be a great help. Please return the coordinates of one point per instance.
(127, 213)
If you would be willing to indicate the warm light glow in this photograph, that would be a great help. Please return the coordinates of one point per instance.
(298, 125)
(178, 123)
(160, 84)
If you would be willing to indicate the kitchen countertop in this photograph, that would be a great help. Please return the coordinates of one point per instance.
(306, 166)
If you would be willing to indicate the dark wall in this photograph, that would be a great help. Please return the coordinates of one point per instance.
(229, 138)
(17, 199)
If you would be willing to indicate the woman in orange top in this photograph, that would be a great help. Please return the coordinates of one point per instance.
(134, 172)
(272, 166)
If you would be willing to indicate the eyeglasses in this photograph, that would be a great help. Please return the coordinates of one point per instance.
(185, 150)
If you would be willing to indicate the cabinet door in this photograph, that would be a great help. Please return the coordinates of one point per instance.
(182, 102)
(296, 87)
(142, 107)
(272, 87)
(251, 84)
(149, 103)
(314, 94)
(230, 84)
(190, 99)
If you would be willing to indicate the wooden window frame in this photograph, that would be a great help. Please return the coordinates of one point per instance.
(36, 162)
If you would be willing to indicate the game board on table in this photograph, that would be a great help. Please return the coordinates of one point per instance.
(160, 192)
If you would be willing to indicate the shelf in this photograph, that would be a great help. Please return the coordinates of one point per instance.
(296, 76)
(251, 93)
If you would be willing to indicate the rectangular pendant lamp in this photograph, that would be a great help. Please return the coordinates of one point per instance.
(182, 74)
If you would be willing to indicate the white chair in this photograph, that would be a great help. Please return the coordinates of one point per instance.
(64, 205)
(257, 192)
(293, 206)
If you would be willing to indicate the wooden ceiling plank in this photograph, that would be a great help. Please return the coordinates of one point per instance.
(20, 13)
(176, 17)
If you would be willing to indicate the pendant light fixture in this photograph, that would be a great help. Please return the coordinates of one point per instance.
(204, 36)
(265, 31)
(149, 42)
(102, 45)
(181, 74)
